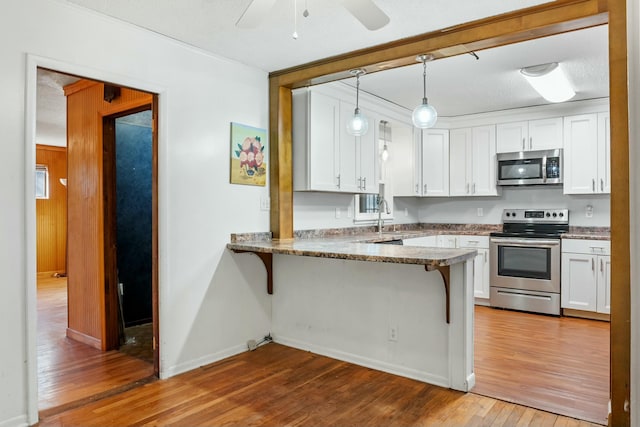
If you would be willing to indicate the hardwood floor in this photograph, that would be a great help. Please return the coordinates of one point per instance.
(71, 373)
(559, 365)
(277, 385)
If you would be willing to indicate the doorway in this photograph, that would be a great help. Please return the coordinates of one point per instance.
(75, 364)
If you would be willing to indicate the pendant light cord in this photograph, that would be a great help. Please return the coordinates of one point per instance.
(357, 92)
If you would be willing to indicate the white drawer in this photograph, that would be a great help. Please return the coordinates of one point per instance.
(592, 247)
(473, 241)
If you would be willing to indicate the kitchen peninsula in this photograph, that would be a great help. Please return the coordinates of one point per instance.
(400, 309)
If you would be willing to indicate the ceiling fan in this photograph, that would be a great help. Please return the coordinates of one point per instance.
(365, 11)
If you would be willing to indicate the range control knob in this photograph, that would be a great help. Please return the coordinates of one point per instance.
(513, 214)
(555, 214)
(561, 214)
(547, 214)
(508, 214)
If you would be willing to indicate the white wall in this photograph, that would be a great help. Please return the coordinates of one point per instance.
(211, 301)
(633, 38)
(465, 209)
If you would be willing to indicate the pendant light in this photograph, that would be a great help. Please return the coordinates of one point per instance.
(384, 155)
(358, 125)
(424, 115)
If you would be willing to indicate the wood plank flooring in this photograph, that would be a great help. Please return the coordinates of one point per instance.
(276, 385)
(69, 372)
(560, 365)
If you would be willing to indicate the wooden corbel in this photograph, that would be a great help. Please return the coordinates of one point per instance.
(444, 272)
(267, 260)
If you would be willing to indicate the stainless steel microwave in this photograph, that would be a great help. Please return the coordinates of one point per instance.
(530, 167)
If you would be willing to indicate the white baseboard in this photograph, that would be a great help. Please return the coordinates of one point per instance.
(201, 361)
(379, 365)
(20, 421)
(471, 381)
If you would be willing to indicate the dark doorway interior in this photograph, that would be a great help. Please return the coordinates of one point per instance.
(134, 175)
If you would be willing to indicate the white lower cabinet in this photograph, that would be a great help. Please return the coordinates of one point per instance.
(480, 262)
(586, 275)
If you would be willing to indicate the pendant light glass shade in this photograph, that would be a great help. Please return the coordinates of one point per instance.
(424, 115)
(358, 125)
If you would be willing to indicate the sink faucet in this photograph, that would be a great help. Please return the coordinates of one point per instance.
(382, 203)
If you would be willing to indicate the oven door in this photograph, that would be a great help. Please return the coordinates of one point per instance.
(526, 264)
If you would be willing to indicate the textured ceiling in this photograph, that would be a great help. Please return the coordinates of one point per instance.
(456, 86)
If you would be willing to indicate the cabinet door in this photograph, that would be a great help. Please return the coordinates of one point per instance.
(435, 162)
(512, 137)
(580, 154)
(404, 161)
(604, 150)
(545, 134)
(481, 274)
(604, 284)
(459, 162)
(323, 142)
(579, 282)
(447, 241)
(483, 155)
(349, 177)
(367, 158)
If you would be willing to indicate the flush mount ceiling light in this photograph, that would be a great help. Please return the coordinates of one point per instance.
(549, 81)
(358, 125)
(424, 115)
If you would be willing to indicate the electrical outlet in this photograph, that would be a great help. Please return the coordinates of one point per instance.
(480, 212)
(265, 203)
(338, 213)
(588, 211)
(393, 333)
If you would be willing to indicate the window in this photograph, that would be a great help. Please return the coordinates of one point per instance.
(42, 182)
(366, 207)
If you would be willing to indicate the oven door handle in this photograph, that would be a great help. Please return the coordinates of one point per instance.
(527, 242)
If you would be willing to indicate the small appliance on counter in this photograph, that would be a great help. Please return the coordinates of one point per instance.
(525, 260)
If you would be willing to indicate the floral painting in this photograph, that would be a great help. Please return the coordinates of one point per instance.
(248, 152)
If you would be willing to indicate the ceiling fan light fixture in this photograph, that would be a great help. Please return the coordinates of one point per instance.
(358, 124)
(549, 81)
(424, 115)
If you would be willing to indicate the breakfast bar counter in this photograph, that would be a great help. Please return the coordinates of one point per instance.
(401, 309)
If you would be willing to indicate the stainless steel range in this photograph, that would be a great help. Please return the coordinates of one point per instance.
(525, 260)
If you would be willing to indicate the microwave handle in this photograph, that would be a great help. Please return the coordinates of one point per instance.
(544, 168)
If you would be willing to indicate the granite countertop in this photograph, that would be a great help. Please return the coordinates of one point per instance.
(361, 247)
(364, 244)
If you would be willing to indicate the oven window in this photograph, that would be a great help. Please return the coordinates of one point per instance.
(524, 261)
(520, 169)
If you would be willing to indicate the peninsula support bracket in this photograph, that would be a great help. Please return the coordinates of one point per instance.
(444, 272)
(267, 260)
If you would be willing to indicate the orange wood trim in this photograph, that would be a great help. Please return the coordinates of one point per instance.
(281, 182)
(620, 218)
(445, 273)
(79, 86)
(267, 260)
(50, 148)
(84, 338)
(525, 24)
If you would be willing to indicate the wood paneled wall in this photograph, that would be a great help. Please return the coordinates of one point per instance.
(51, 213)
(91, 309)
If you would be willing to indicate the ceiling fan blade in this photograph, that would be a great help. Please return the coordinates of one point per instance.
(254, 13)
(366, 11)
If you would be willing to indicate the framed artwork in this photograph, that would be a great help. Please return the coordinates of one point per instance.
(248, 155)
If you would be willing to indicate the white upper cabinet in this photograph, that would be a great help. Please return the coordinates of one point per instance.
(472, 161)
(435, 163)
(404, 165)
(542, 134)
(325, 156)
(586, 154)
(316, 141)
